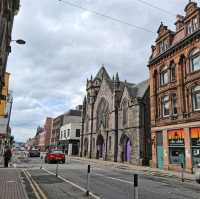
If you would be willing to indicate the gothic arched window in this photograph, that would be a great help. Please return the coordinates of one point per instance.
(125, 111)
(102, 114)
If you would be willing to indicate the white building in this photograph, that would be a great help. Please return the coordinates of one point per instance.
(70, 132)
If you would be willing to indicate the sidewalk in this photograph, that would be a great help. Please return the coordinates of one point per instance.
(11, 183)
(143, 169)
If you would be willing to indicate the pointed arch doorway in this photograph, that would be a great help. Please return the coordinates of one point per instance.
(100, 146)
(125, 144)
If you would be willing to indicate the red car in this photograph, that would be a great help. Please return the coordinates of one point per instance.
(55, 156)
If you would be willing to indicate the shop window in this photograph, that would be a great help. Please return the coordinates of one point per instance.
(78, 132)
(195, 141)
(165, 106)
(176, 146)
(174, 104)
(164, 77)
(176, 155)
(196, 98)
(195, 60)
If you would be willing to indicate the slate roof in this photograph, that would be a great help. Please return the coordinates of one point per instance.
(73, 112)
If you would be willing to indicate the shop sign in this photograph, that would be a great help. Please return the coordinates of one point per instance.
(176, 137)
(195, 136)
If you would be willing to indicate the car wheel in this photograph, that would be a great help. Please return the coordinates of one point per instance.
(63, 161)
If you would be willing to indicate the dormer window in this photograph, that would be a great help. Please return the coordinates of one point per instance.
(164, 45)
(192, 26)
(195, 60)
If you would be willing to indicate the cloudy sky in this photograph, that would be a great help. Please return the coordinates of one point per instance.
(65, 45)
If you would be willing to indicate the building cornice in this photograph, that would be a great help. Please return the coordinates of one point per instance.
(175, 48)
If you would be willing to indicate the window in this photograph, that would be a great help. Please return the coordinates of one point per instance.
(164, 45)
(196, 98)
(68, 132)
(78, 132)
(64, 133)
(125, 112)
(192, 26)
(173, 72)
(164, 77)
(195, 60)
(165, 105)
(174, 104)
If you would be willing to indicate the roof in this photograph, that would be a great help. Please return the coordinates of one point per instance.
(73, 112)
(102, 74)
(138, 90)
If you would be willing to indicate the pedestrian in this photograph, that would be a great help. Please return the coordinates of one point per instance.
(7, 156)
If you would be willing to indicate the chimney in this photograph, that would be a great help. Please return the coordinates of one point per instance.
(179, 22)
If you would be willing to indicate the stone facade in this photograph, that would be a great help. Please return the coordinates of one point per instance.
(175, 93)
(115, 120)
(8, 9)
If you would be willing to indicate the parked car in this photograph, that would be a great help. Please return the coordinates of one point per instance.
(55, 156)
(197, 173)
(34, 153)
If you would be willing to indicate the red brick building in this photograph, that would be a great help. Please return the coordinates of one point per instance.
(175, 93)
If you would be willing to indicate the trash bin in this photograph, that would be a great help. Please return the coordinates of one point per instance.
(197, 173)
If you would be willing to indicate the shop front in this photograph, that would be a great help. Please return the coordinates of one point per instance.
(195, 144)
(176, 143)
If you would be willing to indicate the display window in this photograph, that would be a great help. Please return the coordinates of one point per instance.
(195, 142)
(176, 142)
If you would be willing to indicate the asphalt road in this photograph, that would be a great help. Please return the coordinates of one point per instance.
(107, 183)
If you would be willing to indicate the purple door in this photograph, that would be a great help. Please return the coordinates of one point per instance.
(128, 151)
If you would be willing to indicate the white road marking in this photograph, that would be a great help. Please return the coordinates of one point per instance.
(72, 183)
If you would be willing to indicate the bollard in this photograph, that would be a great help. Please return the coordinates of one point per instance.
(88, 181)
(57, 170)
(182, 172)
(41, 162)
(135, 186)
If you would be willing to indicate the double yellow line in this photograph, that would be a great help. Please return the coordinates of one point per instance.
(35, 187)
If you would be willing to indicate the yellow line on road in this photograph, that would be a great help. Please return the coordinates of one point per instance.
(37, 186)
(32, 186)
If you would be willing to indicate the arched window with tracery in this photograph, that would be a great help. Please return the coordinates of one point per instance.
(194, 60)
(102, 114)
(125, 111)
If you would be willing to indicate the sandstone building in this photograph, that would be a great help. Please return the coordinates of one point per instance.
(115, 120)
(175, 93)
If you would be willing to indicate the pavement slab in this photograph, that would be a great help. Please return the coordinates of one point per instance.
(11, 184)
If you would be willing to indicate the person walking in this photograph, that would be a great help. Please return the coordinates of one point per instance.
(7, 156)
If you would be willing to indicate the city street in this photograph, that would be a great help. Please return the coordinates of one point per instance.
(105, 182)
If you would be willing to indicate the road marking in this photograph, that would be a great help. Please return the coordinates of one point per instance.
(37, 186)
(32, 186)
(117, 179)
(72, 183)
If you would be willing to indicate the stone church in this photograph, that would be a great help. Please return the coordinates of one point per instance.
(116, 120)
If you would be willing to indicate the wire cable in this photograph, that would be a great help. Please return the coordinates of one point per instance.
(106, 16)
(156, 7)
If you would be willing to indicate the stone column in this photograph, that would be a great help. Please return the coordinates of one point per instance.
(154, 153)
(165, 150)
(188, 151)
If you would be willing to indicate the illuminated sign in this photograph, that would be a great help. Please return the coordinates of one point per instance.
(176, 137)
(195, 136)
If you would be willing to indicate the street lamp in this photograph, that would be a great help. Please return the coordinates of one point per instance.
(19, 41)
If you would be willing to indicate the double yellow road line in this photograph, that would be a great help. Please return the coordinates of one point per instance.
(35, 187)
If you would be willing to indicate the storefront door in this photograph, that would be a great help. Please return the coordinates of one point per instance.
(195, 141)
(160, 150)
